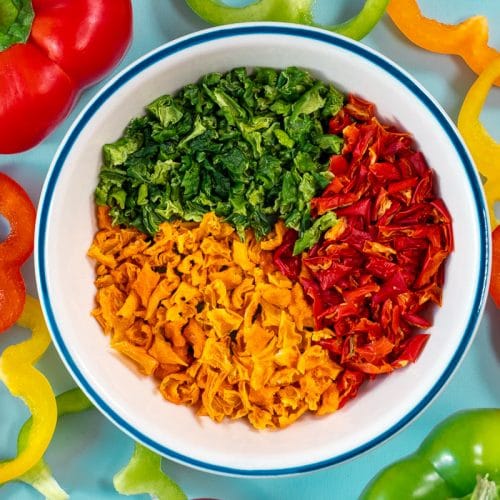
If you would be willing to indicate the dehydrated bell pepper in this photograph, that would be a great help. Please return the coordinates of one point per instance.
(49, 52)
(445, 466)
(468, 39)
(292, 11)
(19, 211)
(25, 381)
(372, 275)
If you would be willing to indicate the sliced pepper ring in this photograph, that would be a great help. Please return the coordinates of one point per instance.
(18, 209)
(484, 149)
(143, 474)
(25, 381)
(292, 11)
(468, 39)
(40, 476)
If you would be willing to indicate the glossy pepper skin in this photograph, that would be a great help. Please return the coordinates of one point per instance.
(495, 267)
(486, 153)
(292, 11)
(468, 39)
(40, 475)
(71, 45)
(447, 463)
(18, 209)
(483, 147)
(24, 380)
(144, 475)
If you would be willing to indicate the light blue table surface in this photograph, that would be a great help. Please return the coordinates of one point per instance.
(87, 450)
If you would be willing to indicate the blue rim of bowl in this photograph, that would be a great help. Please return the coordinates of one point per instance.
(211, 35)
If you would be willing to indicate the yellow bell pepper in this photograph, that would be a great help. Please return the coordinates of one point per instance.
(486, 153)
(484, 149)
(25, 381)
(468, 39)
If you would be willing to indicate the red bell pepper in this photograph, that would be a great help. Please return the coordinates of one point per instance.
(18, 209)
(495, 267)
(50, 50)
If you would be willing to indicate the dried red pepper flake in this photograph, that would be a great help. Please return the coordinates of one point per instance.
(348, 384)
(339, 122)
(372, 277)
(285, 261)
(359, 109)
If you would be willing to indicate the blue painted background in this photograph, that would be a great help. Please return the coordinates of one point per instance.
(87, 450)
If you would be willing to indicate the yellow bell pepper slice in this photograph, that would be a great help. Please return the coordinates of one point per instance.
(24, 381)
(484, 149)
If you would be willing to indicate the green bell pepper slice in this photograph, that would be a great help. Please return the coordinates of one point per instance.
(40, 476)
(143, 474)
(291, 11)
(447, 464)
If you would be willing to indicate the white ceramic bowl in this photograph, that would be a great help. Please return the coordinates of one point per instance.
(65, 276)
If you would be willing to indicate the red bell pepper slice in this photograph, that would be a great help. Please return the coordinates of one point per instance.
(495, 267)
(19, 211)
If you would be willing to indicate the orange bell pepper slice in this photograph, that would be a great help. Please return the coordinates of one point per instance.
(468, 39)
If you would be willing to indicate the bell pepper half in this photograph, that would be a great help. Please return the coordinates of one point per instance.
(292, 11)
(446, 465)
(50, 50)
(18, 209)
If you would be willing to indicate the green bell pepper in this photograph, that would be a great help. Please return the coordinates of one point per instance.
(462, 448)
(291, 11)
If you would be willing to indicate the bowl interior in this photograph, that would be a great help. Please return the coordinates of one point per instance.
(66, 226)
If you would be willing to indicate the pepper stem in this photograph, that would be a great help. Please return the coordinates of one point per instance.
(16, 18)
